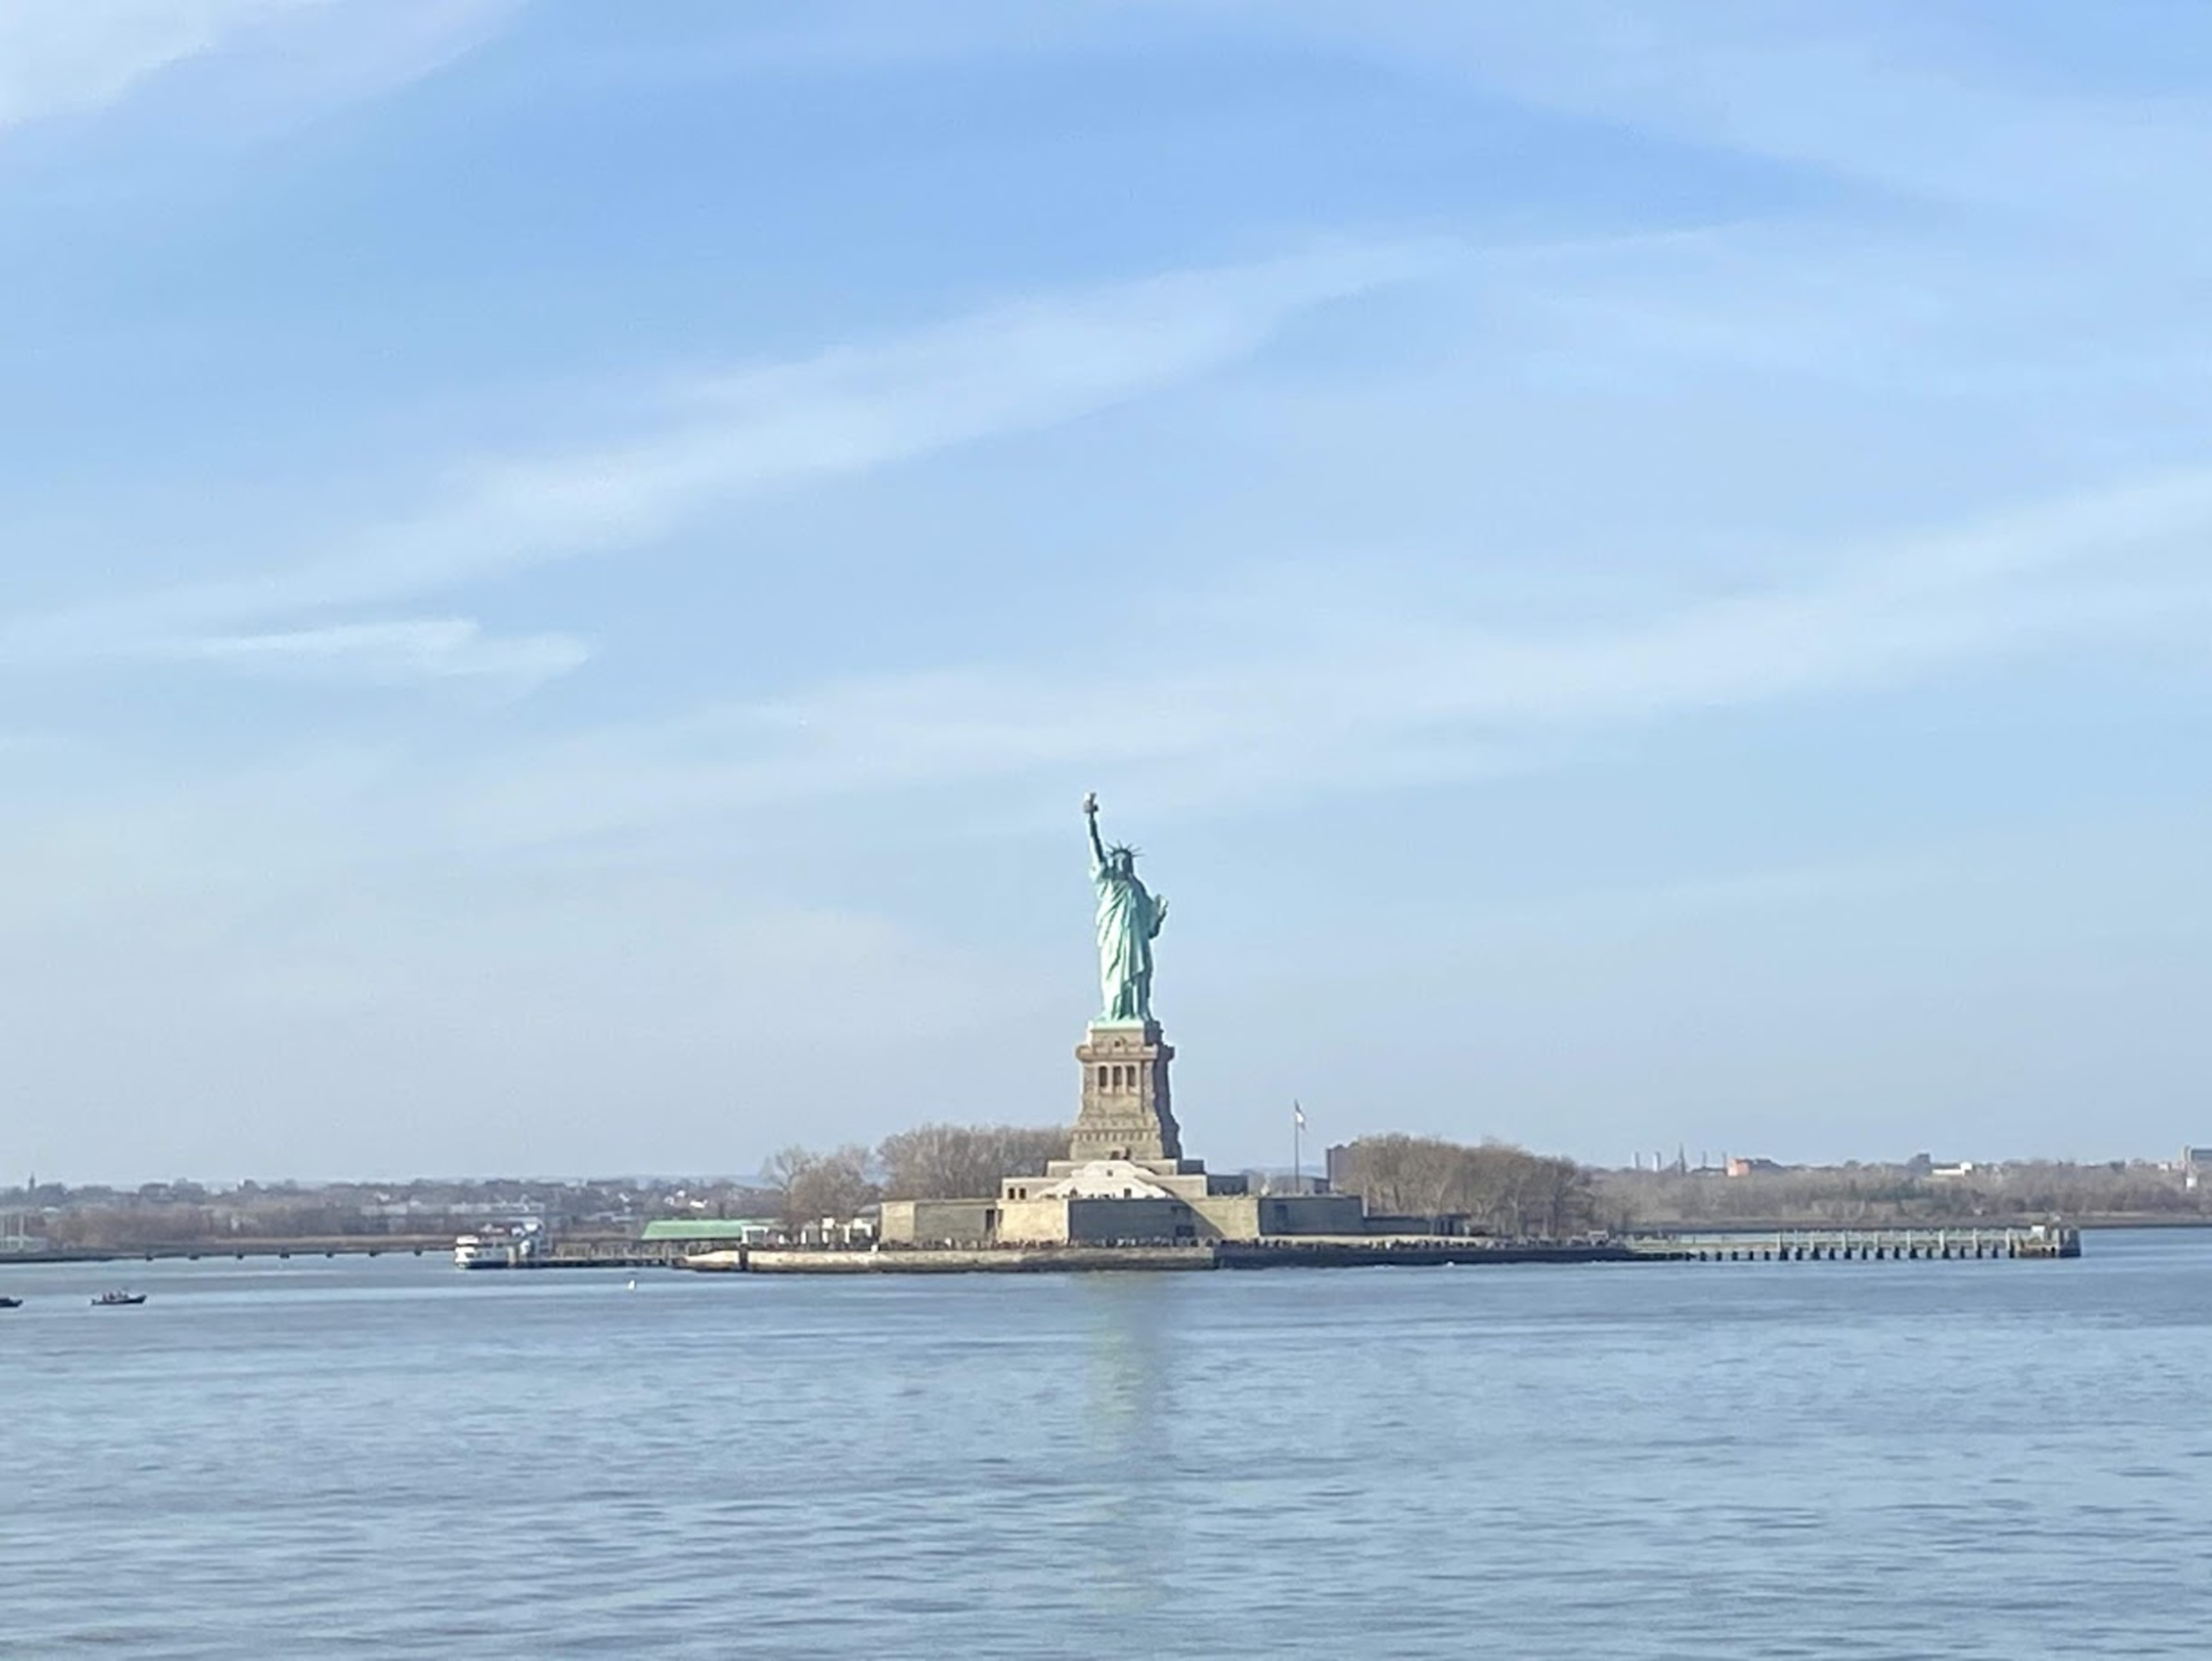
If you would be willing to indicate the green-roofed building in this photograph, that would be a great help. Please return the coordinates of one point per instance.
(710, 1232)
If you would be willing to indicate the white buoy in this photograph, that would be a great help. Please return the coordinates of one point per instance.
(633, 1285)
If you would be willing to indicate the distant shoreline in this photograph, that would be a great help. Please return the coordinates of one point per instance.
(2106, 1220)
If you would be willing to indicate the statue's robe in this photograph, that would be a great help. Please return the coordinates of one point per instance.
(1128, 917)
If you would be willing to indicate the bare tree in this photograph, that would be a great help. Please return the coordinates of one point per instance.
(1872, 1194)
(1386, 1171)
(953, 1162)
(1501, 1189)
(785, 1165)
(834, 1184)
(1410, 1175)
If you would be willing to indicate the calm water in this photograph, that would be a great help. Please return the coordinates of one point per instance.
(391, 1458)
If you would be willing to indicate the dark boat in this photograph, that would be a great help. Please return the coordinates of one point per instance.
(118, 1300)
(11, 1303)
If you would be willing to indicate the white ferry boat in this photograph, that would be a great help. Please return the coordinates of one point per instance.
(515, 1245)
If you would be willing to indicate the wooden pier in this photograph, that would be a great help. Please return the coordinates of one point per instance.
(1813, 1245)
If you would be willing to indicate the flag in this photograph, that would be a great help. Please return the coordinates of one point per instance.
(1297, 1115)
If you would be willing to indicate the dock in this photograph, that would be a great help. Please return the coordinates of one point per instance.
(587, 1252)
(1814, 1246)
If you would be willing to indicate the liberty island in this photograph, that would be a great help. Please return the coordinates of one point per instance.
(1126, 1180)
(1127, 1196)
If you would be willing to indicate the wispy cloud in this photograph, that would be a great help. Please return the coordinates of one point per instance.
(1955, 192)
(1930, 102)
(392, 653)
(66, 57)
(1613, 910)
(1895, 93)
(1328, 690)
(71, 58)
(839, 414)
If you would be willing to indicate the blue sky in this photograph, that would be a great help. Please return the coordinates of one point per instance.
(1640, 572)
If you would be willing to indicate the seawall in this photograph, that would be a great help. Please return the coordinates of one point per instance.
(1408, 1251)
(1346, 1253)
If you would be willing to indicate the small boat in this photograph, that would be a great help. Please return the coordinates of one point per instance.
(11, 1303)
(118, 1300)
(512, 1245)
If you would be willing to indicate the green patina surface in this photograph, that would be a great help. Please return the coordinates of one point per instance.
(1130, 916)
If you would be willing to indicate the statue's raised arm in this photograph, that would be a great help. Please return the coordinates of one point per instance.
(1090, 818)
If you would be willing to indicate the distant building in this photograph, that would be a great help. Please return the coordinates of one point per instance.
(1262, 1181)
(705, 1232)
(1951, 1173)
(2195, 1164)
(1337, 1164)
(1742, 1167)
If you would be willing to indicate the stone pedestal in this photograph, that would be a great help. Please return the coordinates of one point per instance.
(1127, 1112)
(1126, 1179)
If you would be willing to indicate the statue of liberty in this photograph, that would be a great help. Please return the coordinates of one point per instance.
(1128, 918)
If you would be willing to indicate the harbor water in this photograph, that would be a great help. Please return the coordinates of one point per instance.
(388, 1458)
